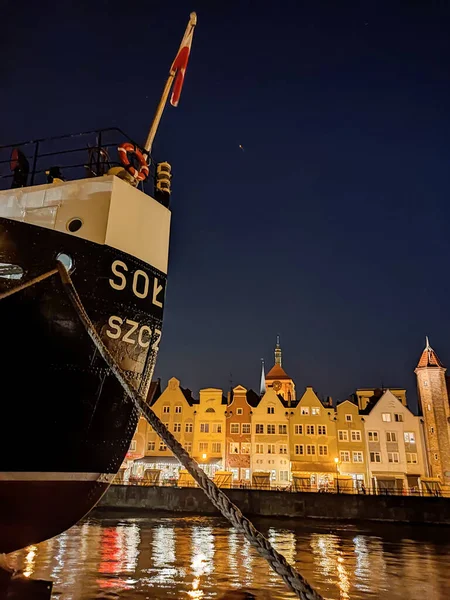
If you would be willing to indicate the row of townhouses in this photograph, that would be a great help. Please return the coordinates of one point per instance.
(370, 440)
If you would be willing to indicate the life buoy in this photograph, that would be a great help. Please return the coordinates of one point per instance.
(143, 172)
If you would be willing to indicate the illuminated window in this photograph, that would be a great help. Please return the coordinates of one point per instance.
(386, 417)
(245, 448)
(245, 474)
(304, 410)
(358, 457)
(410, 437)
(234, 428)
(315, 411)
(234, 448)
(284, 476)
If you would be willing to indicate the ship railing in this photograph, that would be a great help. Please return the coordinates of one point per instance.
(72, 156)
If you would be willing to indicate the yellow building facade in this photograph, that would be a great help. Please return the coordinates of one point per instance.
(351, 464)
(209, 430)
(312, 443)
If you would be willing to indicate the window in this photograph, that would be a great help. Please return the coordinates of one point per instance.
(282, 429)
(323, 450)
(166, 425)
(210, 410)
(178, 410)
(310, 449)
(348, 418)
(315, 411)
(245, 427)
(239, 411)
(304, 410)
(283, 448)
(259, 428)
(234, 428)
(431, 429)
(203, 446)
(284, 475)
(358, 457)
(355, 436)
(411, 458)
(188, 427)
(344, 456)
(298, 429)
(204, 427)
(259, 448)
(162, 446)
(166, 410)
(245, 448)
(391, 436)
(216, 447)
(436, 457)
(299, 449)
(132, 447)
(176, 427)
(373, 436)
(393, 457)
(273, 475)
(375, 457)
(270, 448)
(234, 448)
(271, 410)
(343, 435)
(151, 446)
(188, 446)
(310, 429)
(398, 417)
(245, 474)
(386, 417)
(410, 437)
(217, 427)
(235, 472)
(271, 429)
(322, 429)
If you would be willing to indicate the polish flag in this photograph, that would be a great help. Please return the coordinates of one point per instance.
(181, 60)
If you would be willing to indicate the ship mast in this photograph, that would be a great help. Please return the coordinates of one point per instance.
(172, 73)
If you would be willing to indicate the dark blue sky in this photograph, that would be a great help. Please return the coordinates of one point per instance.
(331, 229)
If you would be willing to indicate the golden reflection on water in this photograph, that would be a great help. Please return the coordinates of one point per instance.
(202, 558)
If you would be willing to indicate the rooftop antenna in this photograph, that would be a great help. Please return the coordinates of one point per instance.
(176, 72)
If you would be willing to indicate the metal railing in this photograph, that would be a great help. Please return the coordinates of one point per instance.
(443, 492)
(75, 156)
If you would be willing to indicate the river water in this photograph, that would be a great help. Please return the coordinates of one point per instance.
(203, 557)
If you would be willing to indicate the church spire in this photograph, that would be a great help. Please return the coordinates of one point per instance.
(262, 385)
(278, 352)
(429, 357)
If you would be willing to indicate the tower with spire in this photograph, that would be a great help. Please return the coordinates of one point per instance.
(434, 406)
(278, 379)
(262, 384)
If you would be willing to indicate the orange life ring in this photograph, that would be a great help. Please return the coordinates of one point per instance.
(143, 172)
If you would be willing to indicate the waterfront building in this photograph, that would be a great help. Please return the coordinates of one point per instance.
(312, 446)
(432, 386)
(270, 438)
(394, 446)
(351, 463)
(209, 430)
(175, 408)
(238, 434)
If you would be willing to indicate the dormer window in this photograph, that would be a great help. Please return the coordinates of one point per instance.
(270, 410)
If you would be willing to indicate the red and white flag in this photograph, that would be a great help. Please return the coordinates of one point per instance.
(181, 60)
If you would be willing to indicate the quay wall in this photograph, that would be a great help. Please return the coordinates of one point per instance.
(402, 509)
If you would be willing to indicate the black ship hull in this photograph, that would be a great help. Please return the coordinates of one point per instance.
(66, 423)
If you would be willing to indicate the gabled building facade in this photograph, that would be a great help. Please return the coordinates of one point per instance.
(312, 447)
(209, 430)
(351, 448)
(238, 436)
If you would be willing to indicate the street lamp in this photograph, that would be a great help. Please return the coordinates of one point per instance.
(336, 460)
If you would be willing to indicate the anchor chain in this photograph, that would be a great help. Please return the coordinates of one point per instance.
(293, 579)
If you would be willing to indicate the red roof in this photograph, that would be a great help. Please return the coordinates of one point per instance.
(276, 373)
(429, 358)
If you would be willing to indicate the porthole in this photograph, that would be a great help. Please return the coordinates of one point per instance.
(66, 260)
(74, 225)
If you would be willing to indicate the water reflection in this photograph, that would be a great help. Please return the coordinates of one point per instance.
(201, 558)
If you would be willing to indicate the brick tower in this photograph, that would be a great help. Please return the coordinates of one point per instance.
(435, 408)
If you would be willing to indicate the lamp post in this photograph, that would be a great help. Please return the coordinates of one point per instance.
(336, 460)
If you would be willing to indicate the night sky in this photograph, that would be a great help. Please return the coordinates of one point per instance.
(330, 228)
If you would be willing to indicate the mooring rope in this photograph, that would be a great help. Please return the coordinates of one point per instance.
(294, 580)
